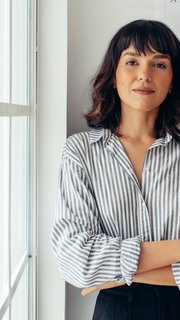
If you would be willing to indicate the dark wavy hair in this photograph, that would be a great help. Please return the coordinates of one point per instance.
(106, 106)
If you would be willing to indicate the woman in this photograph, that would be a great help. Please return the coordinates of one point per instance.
(117, 225)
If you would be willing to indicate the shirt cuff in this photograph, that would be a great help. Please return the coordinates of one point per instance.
(176, 273)
(130, 251)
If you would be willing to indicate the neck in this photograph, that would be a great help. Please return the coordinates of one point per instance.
(137, 125)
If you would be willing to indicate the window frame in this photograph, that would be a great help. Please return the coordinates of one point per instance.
(10, 110)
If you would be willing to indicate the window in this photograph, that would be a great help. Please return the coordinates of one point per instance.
(17, 159)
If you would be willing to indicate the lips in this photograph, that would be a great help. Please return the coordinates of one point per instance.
(143, 90)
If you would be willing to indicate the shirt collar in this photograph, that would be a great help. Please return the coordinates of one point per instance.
(167, 138)
(162, 141)
(105, 134)
(97, 134)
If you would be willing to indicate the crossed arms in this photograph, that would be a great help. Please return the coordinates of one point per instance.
(154, 266)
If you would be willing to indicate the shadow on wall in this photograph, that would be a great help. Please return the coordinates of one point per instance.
(77, 306)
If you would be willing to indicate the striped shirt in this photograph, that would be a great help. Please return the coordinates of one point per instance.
(102, 214)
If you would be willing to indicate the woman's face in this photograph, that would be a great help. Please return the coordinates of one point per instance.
(143, 81)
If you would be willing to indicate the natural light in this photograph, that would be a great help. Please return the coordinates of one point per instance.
(16, 148)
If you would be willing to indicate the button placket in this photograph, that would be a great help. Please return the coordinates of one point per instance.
(144, 222)
(145, 170)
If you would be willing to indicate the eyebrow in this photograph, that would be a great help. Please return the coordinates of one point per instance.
(156, 56)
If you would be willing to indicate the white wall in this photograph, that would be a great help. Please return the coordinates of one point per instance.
(91, 25)
(51, 136)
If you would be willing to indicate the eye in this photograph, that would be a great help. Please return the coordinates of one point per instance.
(160, 65)
(131, 63)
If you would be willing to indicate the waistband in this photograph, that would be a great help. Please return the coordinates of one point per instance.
(140, 290)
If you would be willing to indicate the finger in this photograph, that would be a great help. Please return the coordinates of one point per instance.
(87, 291)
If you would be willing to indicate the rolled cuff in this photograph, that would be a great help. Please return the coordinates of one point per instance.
(130, 251)
(176, 273)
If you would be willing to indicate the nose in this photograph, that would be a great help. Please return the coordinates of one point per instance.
(144, 75)
(145, 78)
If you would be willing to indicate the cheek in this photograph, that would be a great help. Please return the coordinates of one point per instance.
(164, 86)
(121, 88)
(123, 92)
(121, 83)
(121, 77)
(164, 89)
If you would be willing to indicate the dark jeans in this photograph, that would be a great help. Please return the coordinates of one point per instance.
(138, 302)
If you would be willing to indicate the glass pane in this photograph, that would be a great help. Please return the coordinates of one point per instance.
(4, 52)
(19, 306)
(4, 205)
(20, 52)
(6, 316)
(18, 189)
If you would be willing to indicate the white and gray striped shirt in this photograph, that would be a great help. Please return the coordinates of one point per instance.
(102, 214)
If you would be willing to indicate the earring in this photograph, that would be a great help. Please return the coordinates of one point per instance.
(170, 90)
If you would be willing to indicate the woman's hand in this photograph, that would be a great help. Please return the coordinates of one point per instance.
(104, 285)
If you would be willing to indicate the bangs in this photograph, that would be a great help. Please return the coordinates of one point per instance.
(148, 36)
(147, 43)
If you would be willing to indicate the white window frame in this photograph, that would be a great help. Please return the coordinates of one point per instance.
(9, 110)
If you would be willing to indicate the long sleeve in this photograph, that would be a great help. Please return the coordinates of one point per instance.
(86, 256)
(176, 273)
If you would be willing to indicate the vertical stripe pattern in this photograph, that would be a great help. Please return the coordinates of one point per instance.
(102, 214)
